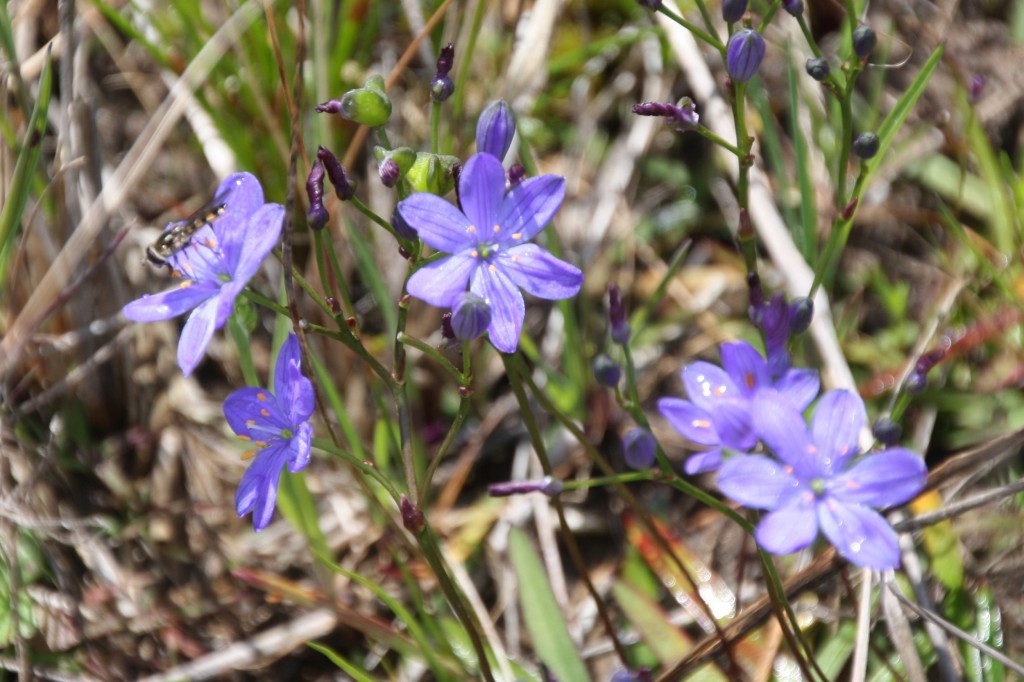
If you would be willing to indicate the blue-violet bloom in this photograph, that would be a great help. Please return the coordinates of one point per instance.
(495, 129)
(743, 54)
(489, 246)
(719, 411)
(278, 425)
(215, 267)
(820, 483)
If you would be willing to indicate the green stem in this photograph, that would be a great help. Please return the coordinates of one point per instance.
(431, 352)
(363, 467)
(453, 430)
(435, 126)
(708, 38)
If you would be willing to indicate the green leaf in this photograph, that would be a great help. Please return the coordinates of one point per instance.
(357, 672)
(542, 615)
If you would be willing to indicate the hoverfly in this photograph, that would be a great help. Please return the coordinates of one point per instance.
(177, 238)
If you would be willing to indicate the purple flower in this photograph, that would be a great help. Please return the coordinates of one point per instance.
(681, 117)
(278, 425)
(820, 483)
(719, 412)
(495, 129)
(489, 246)
(216, 265)
(743, 54)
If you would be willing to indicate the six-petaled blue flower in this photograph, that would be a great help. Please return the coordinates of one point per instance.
(489, 246)
(718, 412)
(818, 483)
(277, 423)
(215, 267)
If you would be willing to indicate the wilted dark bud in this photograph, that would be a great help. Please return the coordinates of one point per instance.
(495, 129)
(865, 145)
(650, 4)
(432, 173)
(548, 485)
(801, 312)
(412, 516)
(743, 54)
(638, 448)
(402, 228)
(606, 371)
(916, 382)
(344, 188)
(681, 117)
(470, 316)
(441, 88)
(445, 59)
(368, 105)
(389, 172)
(617, 315)
(732, 10)
(794, 7)
(817, 68)
(317, 215)
(516, 174)
(976, 86)
(864, 40)
(887, 432)
(446, 327)
(392, 165)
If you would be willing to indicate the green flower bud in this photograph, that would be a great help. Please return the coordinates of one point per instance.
(432, 173)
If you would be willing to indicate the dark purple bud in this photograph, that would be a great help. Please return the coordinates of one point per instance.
(441, 88)
(331, 106)
(733, 10)
(756, 294)
(412, 516)
(516, 174)
(865, 145)
(626, 675)
(317, 215)
(864, 40)
(402, 228)
(887, 432)
(638, 448)
(495, 129)
(446, 327)
(617, 315)
(775, 323)
(336, 174)
(681, 117)
(650, 4)
(817, 68)
(743, 54)
(606, 371)
(801, 312)
(794, 7)
(916, 382)
(976, 86)
(470, 316)
(446, 59)
(548, 485)
(389, 172)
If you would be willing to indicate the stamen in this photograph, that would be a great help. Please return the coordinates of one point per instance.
(748, 378)
(497, 228)
(700, 423)
(264, 412)
(471, 229)
(474, 253)
(492, 268)
(248, 455)
(517, 235)
(261, 396)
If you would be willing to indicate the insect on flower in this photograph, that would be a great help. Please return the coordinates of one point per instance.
(178, 237)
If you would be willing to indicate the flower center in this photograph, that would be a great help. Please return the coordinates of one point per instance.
(818, 486)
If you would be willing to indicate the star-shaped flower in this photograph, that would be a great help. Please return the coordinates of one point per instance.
(719, 412)
(277, 423)
(820, 483)
(489, 248)
(216, 265)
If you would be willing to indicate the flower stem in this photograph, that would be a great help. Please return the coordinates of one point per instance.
(708, 38)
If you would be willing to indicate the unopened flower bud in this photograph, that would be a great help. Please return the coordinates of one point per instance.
(817, 68)
(445, 59)
(343, 187)
(864, 40)
(916, 382)
(976, 86)
(638, 448)
(441, 88)
(606, 371)
(470, 316)
(794, 7)
(865, 145)
(887, 432)
(682, 117)
(495, 129)
(733, 10)
(412, 516)
(389, 172)
(432, 173)
(402, 228)
(368, 105)
(446, 326)
(620, 329)
(317, 215)
(743, 54)
(801, 312)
